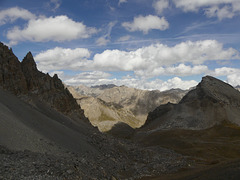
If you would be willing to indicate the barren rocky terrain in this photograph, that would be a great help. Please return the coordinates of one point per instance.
(45, 135)
(107, 105)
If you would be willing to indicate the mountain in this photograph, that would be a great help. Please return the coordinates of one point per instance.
(211, 103)
(204, 126)
(107, 105)
(24, 79)
(28, 94)
(44, 134)
(104, 86)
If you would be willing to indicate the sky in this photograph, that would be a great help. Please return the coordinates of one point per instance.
(145, 44)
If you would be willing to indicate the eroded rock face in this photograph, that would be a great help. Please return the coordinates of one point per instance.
(23, 78)
(211, 103)
(11, 75)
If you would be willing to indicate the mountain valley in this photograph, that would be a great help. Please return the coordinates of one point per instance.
(107, 105)
(48, 131)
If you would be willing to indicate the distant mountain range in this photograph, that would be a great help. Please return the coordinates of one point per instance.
(107, 105)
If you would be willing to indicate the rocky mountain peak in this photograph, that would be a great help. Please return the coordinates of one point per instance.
(215, 90)
(11, 75)
(28, 63)
(211, 103)
(23, 78)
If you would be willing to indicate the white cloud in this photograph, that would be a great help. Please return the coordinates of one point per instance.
(146, 24)
(62, 59)
(99, 78)
(60, 74)
(232, 74)
(234, 79)
(88, 78)
(213, 8)
(12, 14)
(160, 5)
(150, 61)
(224, 71)
(158, 55)
(176, 82)
(59, 28)
(179, 70)
(124, 38)
(121, 1)
(221, 13)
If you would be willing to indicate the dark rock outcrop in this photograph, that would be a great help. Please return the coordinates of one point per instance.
(23, 78)
(11, 75)
(211, 103)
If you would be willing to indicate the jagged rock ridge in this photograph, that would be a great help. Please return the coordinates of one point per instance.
(23, 78)
(211, 103)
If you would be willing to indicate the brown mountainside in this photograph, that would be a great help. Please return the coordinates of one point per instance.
(107, 105)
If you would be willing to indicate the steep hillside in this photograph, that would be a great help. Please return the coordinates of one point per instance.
(104, 115)
(39, 128)
(211, 103)
(24, 79)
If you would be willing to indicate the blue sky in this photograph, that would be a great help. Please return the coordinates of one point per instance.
(147, 44)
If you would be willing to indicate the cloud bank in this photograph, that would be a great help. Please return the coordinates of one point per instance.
(98, 78)
(150, 61)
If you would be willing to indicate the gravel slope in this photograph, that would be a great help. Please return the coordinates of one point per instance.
(23, 126)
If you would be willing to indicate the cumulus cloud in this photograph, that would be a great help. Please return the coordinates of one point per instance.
(146, 24)
(158, 55)
(150, 61)
(232, 74)
(12, 14)
(234, 79)
(62, 59)
(179, 70)
(88, 78)
(176, 82)
(224, 71)
(160, 5)
(213, 8)
(98, 78)
(59, 28)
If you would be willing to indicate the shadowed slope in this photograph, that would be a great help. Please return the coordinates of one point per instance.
(27, 127)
